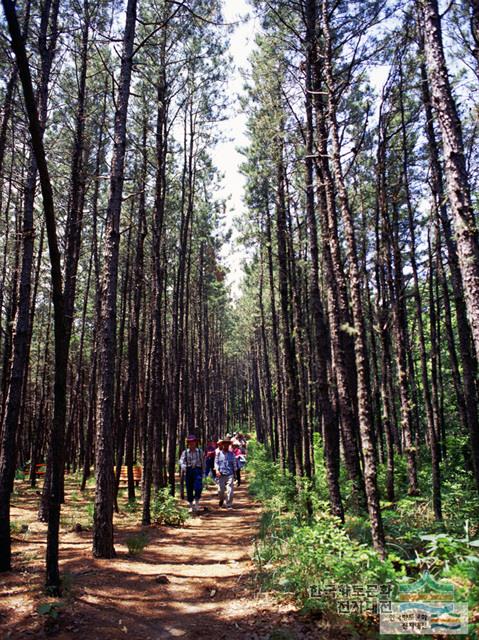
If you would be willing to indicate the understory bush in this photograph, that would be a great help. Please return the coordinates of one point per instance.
(132, 507)
(267, 480)
(167, 509)
(90, 512)
(136, 543)
(298, 550)
(296, 558)
(301, 546)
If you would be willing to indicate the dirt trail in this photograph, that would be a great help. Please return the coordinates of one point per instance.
(193, 582)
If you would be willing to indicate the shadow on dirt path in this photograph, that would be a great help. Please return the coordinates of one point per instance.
(193, 582)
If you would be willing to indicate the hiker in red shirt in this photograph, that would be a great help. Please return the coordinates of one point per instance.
(210, 450)
(240, 460)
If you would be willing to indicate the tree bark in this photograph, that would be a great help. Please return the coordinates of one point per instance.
(457, 179)
(104, 494)
(362, 369)
(61, 342)
(22, 332)
(468, 392)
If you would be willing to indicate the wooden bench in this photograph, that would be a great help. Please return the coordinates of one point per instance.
(137, 474)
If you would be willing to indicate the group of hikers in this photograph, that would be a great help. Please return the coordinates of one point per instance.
(222, 459)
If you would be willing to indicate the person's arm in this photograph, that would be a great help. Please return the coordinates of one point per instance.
(183, 461)
(217, 470)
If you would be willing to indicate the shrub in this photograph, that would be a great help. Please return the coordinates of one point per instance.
(444, 551)
(17, 528)
(167, 509)
(318, 554)
(19, 474)
(460, 501)
(296, 551)
(136, 543)
(132, 507)
(267, 479)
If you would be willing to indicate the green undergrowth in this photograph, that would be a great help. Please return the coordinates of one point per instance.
(136, 543)
(167, 509)
(297, 551)
(303, 550)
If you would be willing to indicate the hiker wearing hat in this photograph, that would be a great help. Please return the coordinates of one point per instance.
(225, 468)
(192, 464)
(239, 439)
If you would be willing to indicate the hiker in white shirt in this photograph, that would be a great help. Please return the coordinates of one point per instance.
(225, 469)
(192, 464)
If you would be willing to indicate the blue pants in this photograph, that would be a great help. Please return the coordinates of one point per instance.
(194, 483)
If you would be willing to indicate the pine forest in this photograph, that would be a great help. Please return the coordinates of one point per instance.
(239, 234)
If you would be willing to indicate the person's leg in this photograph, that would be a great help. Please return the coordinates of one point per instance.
(221, 488)
(238, 476)
(198, 486)
(229, 490)
(189, 481)
(198, 483)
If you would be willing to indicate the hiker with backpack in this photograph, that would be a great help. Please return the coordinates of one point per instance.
(192, 465)
(225, 467)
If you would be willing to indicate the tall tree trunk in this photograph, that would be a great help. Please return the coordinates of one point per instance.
(321, 334)
(457, 179)
(275, 334)
(293, 415)
(431, 415)
(469, 362)
(362, 368)
(104, 494)
(22, 332)
(335, 285)
(156, 414)
(272, 415)
(61, 341)
(132, 384)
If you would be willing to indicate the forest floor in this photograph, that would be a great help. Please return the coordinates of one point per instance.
(191, 582)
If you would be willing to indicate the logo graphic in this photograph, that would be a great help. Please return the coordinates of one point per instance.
(425, 607)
